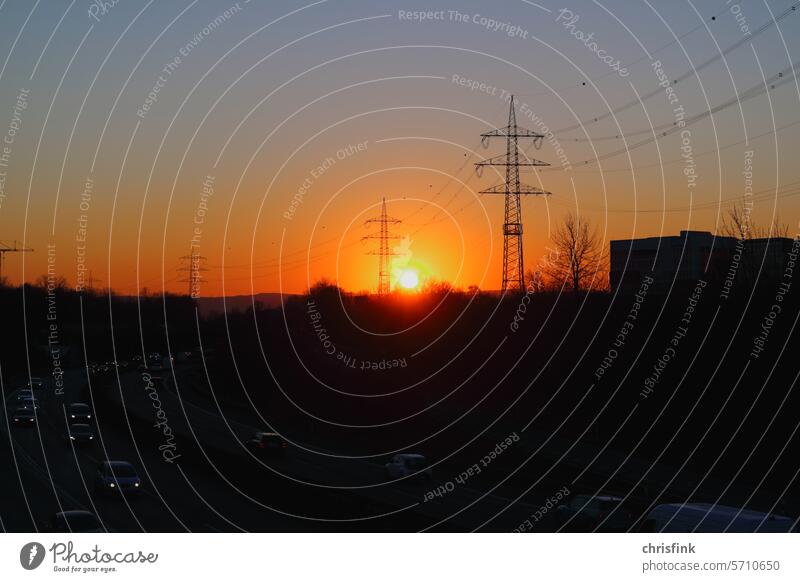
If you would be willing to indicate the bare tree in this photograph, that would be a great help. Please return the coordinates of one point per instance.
(436, 287)
(580, 259)
(58, 283)
(534, 281)
(738, 224)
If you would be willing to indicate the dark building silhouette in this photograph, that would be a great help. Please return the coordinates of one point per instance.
(695, 255)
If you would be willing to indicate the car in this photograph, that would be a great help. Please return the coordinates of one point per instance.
(156, 366)
(117, 476)
(35, 383)
(595, 512)
(28, 403)
(24, 394)
(407, 464)
(74, 521)
(80, 434)
(709, 517)
(268, 444)
(23, 417)
(79, 413)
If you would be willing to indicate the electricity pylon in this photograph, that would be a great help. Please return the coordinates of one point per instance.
(4, 248)
(92, 280)
(193, 264)
(512, 189)
(383, 252)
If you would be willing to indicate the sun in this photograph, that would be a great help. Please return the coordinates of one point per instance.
(409, 279)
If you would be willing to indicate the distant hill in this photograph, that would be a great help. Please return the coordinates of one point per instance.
(216, 305)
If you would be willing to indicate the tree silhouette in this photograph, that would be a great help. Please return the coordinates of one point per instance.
(580, 261)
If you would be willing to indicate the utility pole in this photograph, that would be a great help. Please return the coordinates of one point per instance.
(194, 265)
(512, 189)
(4, 248)
(384, 275)
(92, 281)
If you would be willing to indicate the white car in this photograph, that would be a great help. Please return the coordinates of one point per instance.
(707, 517)
(407, 464)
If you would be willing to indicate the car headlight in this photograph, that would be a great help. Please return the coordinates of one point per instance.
(88, 416)
(72, 438)
(135, 484)
(91, 437)
(72, 415)
(112, 485)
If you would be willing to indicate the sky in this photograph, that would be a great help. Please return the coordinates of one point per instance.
(266, 134)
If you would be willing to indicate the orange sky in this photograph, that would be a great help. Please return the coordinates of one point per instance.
(257, 132)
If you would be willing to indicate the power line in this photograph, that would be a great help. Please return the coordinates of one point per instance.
(7, 249)
(690, 72)
(631, 63)
(773, 82)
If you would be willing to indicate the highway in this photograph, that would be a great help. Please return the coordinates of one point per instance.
(198, 475)
(214, 483)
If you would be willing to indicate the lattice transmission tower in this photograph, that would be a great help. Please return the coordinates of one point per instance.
(383, 252)
(512, 189)
(194, 265)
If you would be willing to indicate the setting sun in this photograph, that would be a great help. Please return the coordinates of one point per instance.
(409, 279)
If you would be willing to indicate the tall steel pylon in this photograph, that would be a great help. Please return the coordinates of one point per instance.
(383, 252)
(91, 281)
(194, 264)
(512, 189)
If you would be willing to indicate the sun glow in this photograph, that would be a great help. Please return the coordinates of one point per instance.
(409, 279)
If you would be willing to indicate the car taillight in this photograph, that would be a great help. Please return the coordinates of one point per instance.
(262, 445)
(284, 445)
